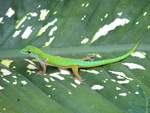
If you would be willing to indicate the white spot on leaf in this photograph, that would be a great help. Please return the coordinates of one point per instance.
(116, 97)
(46, 80)
(49, 42)
(107, 28)
(69, 92)
(30, 72)
(33, 14)
(1, 88)
(145, 13)
(38, 6)
(87, 4)
(27, 32)
(77, 81)
(137, 23)
(4, 79)
(123, 81)
(97, 87)
(120, 74)
(98, 56)
(15, 82)
(64, 72)
(48, 86)
(30, 61)
(54, 89)
(52, 79)
(90, 71)
(113, 80)
(14, 77)
(43, 14)
(118, 88)
(19, 23)
(56, 75)
(148, 27)
(44, 28)
(52, 31)
(134, 66)
(122, 94)
(53, 22)
(137, 93)
(139, 54)
(119, 14)
(83, 18)
(16, 33)
(55, 12)
(85, 40)
(30, 66)
(83, 4)
(23, 82)
(6, 62)
(72, 84)
(106, 15)
(4, 109)
(29, 18)
(1, 20)
(5, 72)
(10, 12)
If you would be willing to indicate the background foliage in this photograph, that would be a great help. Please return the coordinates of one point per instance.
(68, 29)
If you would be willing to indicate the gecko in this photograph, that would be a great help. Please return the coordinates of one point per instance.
(70, 63)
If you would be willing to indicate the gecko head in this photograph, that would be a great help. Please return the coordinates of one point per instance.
(31, 50)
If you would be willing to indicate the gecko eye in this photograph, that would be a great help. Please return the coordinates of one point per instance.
(29, 52)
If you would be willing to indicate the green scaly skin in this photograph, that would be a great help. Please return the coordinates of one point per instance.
(74, 64)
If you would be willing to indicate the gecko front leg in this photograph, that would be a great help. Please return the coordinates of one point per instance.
(43, 64)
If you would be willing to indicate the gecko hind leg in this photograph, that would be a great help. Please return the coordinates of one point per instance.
(75, 70)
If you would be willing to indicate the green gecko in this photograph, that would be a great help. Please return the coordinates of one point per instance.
(69, 63)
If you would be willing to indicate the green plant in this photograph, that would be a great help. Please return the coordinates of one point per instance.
(75, 28)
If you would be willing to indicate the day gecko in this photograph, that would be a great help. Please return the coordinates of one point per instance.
(70, 63)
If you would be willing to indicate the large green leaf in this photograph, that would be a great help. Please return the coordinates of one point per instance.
(75, 28)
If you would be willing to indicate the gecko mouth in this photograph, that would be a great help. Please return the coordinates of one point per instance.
(23, 51)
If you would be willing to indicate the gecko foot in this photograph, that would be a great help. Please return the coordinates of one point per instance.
(40, 72)
(78, 81)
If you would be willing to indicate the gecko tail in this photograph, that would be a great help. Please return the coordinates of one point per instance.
(112, 60)
(122, 57)
(135, 47)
